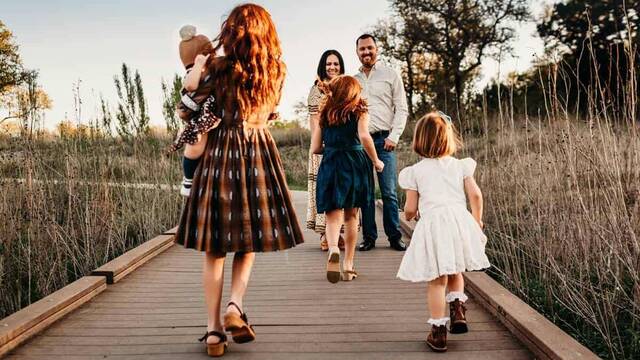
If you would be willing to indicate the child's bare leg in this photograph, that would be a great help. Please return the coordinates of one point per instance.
(455, 287)
(333, 225)
(196, 150)
(435, 297)
(351, 236)
(190, 161)
(455, 283)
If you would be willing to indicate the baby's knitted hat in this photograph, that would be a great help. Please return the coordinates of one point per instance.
(192, 45)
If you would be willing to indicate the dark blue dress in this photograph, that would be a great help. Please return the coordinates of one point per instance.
(345, 176)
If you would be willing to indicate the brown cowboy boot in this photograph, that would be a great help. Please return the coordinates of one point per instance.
(437, 338)
(457, 313)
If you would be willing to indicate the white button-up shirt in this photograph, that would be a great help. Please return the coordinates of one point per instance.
(385, 95)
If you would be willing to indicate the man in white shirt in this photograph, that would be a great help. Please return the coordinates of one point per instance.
(384, 91)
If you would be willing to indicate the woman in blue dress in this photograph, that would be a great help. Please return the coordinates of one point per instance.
(345, 179)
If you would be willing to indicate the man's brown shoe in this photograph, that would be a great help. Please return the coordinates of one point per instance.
(437, 338)
(457, 313)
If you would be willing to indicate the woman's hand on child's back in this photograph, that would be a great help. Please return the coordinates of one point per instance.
(379, 165)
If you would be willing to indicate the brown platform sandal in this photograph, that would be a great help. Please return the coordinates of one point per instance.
(238, 326)
(215, 350)
(348, 275)
(333, 266)
(324, 245)
(341, 242)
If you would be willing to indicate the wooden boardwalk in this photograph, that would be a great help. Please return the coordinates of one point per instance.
(157, 312)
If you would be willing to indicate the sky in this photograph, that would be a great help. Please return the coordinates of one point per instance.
(85, 42)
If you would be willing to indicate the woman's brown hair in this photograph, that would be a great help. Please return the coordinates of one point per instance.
(435, 136)
(251, 70)
(342, 99)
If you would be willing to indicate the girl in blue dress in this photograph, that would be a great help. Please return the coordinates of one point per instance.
(345, 179)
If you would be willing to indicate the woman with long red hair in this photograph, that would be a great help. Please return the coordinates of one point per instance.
(239, 199)
(345, 179)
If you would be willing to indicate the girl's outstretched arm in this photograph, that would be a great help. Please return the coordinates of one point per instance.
(474, 195)
(367, 142)
(411, 205)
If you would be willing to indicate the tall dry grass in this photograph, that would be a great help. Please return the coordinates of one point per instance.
(562, 213)
(563, 210)
(563, 218)
(67, 217)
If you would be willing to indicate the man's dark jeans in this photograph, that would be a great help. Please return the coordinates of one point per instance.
(387, 181)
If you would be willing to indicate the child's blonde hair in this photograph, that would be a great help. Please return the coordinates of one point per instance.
(435, 136)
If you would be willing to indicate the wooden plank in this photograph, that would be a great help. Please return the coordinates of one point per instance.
(291, 337)
(232, 354)
(96, 329)
(310, 293)
(541, 336)
(259, 321)
(20, 326)
(272, 347)
(298, 318)
(279, 308)
(199, 301)
(124, 264)
(171, 231)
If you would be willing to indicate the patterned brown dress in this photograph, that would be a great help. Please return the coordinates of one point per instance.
(239, 199)
(315, 221)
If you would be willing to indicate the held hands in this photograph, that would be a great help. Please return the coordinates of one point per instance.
(379, 165)
(389, 145)
(201, 60)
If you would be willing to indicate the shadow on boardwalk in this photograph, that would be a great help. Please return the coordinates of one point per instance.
(158, 312)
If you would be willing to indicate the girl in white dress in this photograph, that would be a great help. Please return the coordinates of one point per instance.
(447, 239)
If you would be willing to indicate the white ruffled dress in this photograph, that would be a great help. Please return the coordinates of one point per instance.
(447, 239)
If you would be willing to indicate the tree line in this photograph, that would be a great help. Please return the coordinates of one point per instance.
(439, 46)
(23, 101)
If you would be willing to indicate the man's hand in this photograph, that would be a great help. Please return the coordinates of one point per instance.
(389, 145)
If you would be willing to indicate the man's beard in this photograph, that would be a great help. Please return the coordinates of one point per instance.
(368, 64)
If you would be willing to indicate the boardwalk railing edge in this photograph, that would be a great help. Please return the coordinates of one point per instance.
(25, 323)
(126, 263)
(542, 337)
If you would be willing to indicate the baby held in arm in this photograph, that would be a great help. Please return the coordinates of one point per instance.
(196, 102)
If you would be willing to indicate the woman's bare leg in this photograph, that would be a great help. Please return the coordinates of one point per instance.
(241, 272)
(213, 280)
